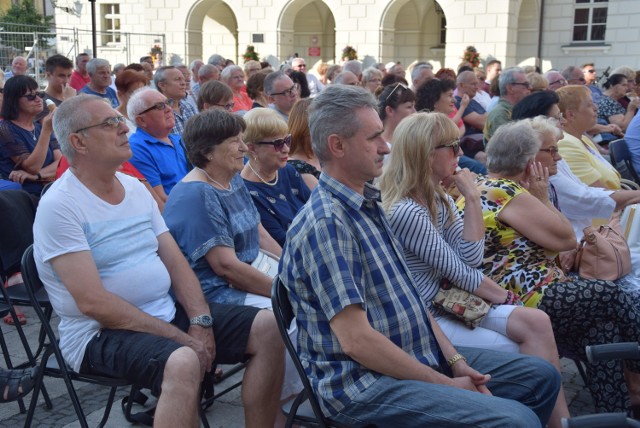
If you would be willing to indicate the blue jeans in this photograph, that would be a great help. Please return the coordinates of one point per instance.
(472, 164)
(524, 392)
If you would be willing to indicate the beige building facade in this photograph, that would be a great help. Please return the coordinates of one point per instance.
(552, 33)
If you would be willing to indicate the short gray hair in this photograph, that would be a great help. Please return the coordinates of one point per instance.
(417, 70)
(137, 102)
(70, 116)
(160, 75)
(225, 74)
(333, 111)
(511, 147)
(353, 66)
(371, 72)
(95, 63)
(216, 59)
(546, 126)
(568, 72)
(270, 80)
(508, 77)
(207, 70)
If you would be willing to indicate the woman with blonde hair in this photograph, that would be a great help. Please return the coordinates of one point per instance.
(440, 247)
(277, 189)
(301, 155)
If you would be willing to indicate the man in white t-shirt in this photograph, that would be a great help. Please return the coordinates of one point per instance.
(108, 262)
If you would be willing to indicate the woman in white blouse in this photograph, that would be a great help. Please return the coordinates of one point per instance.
(439, 245)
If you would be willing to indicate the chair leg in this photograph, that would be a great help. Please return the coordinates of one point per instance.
(7, 360)
(36, 392)
(107, 410)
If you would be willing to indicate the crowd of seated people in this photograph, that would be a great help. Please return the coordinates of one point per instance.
(269, 166)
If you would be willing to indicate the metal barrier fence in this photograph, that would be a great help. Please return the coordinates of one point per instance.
(37, 43)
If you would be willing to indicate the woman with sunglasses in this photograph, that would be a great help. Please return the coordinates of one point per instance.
(395, 102)
(29, 152)
(277, 189)
(440, 247)
(215, 94)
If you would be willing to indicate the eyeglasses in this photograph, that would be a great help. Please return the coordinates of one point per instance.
(553, 150)
(288, 92)
(454, 145)
(227, 107)
(33, 96)
(525, 84)
(157, 106)
(301, 65)
(590, 71)
(563, 82)
(277, 144)
(397, 85)
(110, 123)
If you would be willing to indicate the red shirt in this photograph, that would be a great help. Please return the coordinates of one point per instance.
(125, 168)
(78, 81)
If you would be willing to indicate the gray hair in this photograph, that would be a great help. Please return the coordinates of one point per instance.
(546, 126)
(511, 147)
(95, 63)
(417, 70)
(270, 80)
(341, 77)
(225, 74)
(194, 63)
(137, 102)
(333, 111)
(160, 75)
(353, 66)
(628, 72)
(568, 72)
(119, 66)
(207, 70)
(508, 77)
(70, 116)
(370, 73)
(216, 59)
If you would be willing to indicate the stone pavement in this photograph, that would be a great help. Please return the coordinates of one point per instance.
(227, 411)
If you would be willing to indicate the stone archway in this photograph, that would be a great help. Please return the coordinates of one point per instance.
(413, 30)
(211, 28)
(528, 27)
(307, 27)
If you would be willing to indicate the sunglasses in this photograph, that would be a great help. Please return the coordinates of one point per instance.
(157, 106)
(33, 96)
(454, 145)
(277, 144)
(110, 123)
(590, 71)
(397, 85)
(553, 150)
(291, 91)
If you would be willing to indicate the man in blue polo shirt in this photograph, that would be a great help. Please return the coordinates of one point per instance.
(370, 348)
(159, 155)
(99, 71)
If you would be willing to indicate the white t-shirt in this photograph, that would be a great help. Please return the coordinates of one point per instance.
(123, 242)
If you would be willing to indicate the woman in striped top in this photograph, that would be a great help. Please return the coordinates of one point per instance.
(439, 246)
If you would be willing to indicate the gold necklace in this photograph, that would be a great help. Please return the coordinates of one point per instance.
(268, 183)
(228, 189)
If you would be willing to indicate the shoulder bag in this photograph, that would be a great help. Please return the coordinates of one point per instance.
(462, 305)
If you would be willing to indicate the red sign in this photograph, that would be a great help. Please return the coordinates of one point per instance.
(314, 51)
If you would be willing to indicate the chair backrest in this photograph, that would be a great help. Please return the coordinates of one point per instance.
(284, 316)
(18, 210)
(33, 285)
(619, 152)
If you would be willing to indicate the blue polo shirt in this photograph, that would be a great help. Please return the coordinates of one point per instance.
(110, 95)
(159, 162)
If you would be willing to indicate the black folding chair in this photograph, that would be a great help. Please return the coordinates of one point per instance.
(619, 152)
(56, 366)
(304, 409)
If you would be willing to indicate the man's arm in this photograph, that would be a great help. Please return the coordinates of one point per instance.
(475, 119)
(376, 352)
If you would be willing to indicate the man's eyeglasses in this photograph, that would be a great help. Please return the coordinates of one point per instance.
(525, 84)
(288, 92)
(397, 85)
(227, 107)
(563, 82)
(454, 145)
(553, 150)
(110, 123)
(278, 144)
(33, 96)
(157, 106)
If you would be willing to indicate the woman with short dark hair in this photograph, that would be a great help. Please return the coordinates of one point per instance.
(610, 109)
(215, 94)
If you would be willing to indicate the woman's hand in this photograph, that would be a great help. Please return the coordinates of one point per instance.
(47, 123)
(634, 103)
(537, 181)
(465, 181)
(567, 260)
(20, 176)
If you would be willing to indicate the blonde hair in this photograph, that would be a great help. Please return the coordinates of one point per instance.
(263, 123)
(538, 82)
(571, 96)
(408, 170)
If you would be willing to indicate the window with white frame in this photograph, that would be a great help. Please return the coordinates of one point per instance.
(590, 20)
(110, 23)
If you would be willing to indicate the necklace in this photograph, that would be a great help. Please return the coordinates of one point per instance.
(227, 188)
(268, 183)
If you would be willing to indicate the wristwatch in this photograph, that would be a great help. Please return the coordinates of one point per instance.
(202, 320)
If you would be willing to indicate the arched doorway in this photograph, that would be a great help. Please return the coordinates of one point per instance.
(307, 28)
(211, 28)
(528, 28)
(413, 30)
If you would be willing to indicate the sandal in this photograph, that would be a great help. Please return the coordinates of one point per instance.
(22, 319)
(16, 383)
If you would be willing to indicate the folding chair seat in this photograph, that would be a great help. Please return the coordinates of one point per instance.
(56, 366)
(619, 153)
(304, 409)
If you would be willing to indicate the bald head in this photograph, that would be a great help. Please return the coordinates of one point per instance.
(346, 78)
(467, 83)
(19, 66)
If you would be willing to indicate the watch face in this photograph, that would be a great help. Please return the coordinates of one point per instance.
(202, 320)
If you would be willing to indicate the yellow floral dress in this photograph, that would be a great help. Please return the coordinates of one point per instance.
(511, 259)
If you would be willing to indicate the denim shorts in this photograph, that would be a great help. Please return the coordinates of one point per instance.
(141, 357)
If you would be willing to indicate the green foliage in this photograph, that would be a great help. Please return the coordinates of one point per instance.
(250, 54)
(23, 16)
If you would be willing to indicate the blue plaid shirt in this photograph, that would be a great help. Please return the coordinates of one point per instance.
(186, 111)
(341, 251)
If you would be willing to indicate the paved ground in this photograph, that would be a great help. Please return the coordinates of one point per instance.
(227, 412)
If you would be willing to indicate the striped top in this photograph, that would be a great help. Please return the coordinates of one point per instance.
(434, 252)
